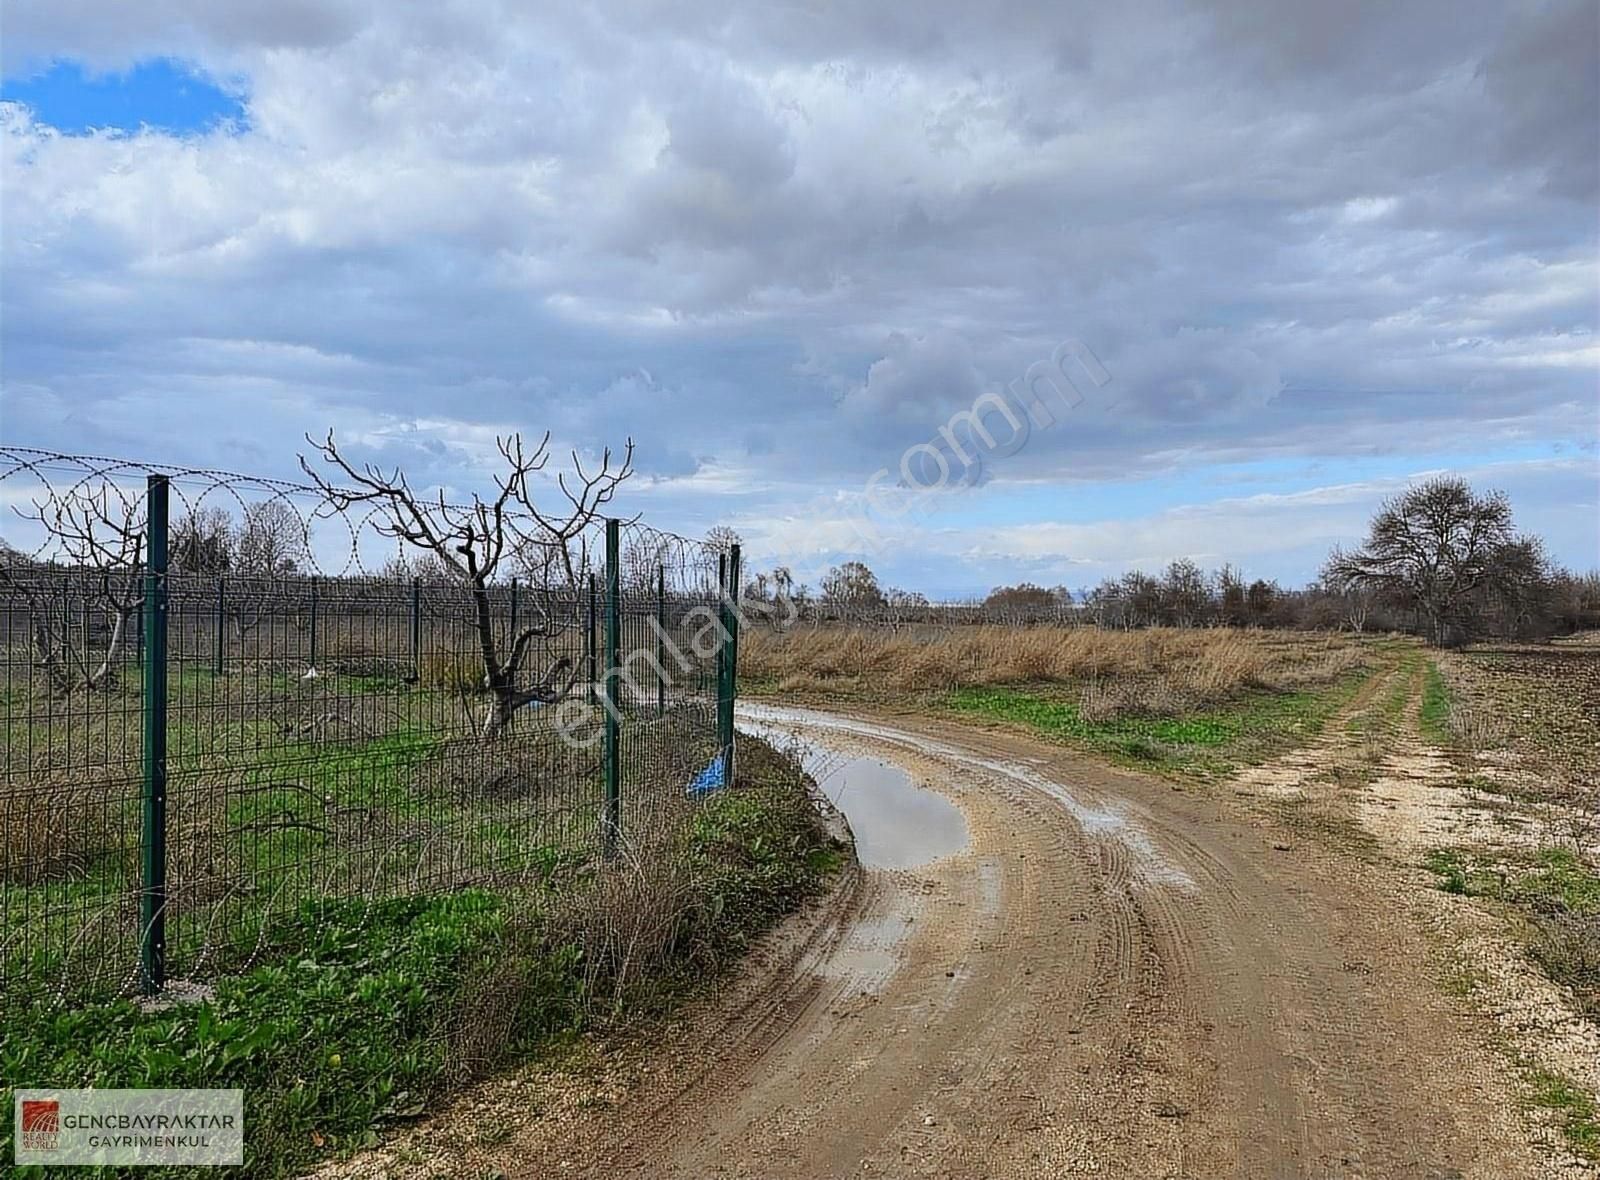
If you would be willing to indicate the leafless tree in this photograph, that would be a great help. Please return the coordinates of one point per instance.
(850, 590)
(900, 607)
(642, 561)
(101, 531)
(1357, 608)
(202, 541)
(270, 543)
(722, 539)
(1183, 595)
(1432, 549)
(470, 541)
(272, 540)
(585, 496)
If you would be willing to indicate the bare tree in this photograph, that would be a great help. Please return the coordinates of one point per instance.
(1228, 587)
(1357, 607)
(272, 540)
(470, 541)
(1431, 550)
(722, 538)
(642, 562)
(789, 601)
(586, 495)
(202, 542)
(270, 543)
(100, 530)
(900, 607)
(1184, 597)
(851, 589)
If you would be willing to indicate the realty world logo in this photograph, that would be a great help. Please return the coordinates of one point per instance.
(41, 1124)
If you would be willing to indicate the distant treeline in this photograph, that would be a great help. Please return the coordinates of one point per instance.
(1440, 560)
(1185, 596)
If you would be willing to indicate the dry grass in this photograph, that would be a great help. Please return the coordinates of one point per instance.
(1567, 946)
(451, 671)
(1162, 671)
(64, 825)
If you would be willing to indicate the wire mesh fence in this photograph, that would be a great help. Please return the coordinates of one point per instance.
(221, 697)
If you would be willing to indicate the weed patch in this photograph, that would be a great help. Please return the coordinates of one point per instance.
(1209, 743)
(1559, 895)
(1580, 1123)
(1551, 881)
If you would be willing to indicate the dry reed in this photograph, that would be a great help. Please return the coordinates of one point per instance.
(1160, 670)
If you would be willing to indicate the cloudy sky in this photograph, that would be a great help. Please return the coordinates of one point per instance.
(1316, 253)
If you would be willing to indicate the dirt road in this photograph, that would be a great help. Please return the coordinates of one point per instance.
(1115, 978)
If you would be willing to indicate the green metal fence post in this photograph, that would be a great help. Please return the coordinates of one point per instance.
(613, 732)
(222, 607)
(723, 720)
(314, 603)
(730, 623)
(590, 641)
(720, 661)
(416, 630)
(153, 897)
(511, 637)
(661, 626)
(64, 598)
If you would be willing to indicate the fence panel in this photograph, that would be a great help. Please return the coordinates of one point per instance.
(330, 727)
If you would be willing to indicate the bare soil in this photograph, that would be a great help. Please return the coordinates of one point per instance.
(1116, 978)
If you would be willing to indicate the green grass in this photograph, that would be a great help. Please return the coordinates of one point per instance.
(1557, 894)
(1561, 881)
(359, 1021)
(1434, 716)
(349, 1030)
(1580, 1123)
(1207, 744)
(1550, 881)
(260, 800)
(1458, 876)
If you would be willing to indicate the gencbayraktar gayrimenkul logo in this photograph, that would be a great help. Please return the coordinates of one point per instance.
(129, 1127)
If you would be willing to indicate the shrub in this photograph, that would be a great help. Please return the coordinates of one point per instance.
(1567, 946)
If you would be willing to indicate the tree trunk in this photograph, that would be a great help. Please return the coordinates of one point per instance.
(105, 675)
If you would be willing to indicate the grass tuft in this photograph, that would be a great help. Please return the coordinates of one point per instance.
(1580, 1123)
(1559, 894)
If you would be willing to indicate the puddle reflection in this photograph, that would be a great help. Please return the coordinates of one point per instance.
(897, 824)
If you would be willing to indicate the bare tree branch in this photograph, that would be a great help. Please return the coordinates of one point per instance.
(470, 541)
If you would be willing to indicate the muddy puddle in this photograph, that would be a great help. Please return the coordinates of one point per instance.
(897, 824)
(1150, 865)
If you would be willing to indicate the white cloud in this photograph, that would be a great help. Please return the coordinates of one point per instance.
(1285, 233)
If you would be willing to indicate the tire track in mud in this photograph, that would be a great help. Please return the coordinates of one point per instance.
(1114, 978)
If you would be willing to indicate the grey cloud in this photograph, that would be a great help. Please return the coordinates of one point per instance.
(113, 36)
(792, 240)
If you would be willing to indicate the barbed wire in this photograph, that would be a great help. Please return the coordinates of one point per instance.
(265, 525)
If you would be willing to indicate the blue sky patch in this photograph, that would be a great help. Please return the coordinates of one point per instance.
(161, 93)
